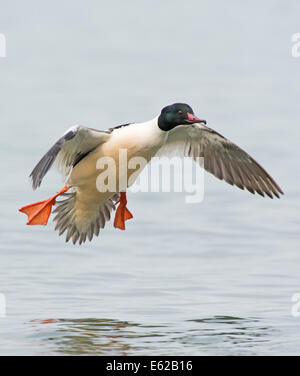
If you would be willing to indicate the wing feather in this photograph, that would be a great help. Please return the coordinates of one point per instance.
(222, 158)
(74, 145)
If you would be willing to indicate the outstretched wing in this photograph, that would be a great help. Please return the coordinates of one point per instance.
(222, 158)
(74, 145)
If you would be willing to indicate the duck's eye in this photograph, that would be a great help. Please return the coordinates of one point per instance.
(180, 112)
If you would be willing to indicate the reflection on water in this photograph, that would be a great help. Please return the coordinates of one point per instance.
(113, 337)
(86, 336)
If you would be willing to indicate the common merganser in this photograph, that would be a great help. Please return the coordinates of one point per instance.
(85, 210)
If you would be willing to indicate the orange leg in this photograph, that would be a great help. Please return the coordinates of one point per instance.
(122, 213)
(39, 212)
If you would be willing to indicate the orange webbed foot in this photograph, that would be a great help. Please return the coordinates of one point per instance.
(122, 213)
(39, 212)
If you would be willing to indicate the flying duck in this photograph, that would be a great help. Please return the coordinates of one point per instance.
(85, 209)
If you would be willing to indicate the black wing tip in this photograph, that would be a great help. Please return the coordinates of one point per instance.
(269, 194)
(262, 193)
(277, 194)
(280, 191)
(276, 191)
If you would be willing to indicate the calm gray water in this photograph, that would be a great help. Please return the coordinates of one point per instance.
(216, 278)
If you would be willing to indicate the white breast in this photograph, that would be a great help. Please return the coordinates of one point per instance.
(140, 139)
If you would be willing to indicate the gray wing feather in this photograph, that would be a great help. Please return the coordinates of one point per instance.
(77, 142)
(222, 158)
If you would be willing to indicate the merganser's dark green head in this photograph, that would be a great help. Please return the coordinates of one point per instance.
(177, 114)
